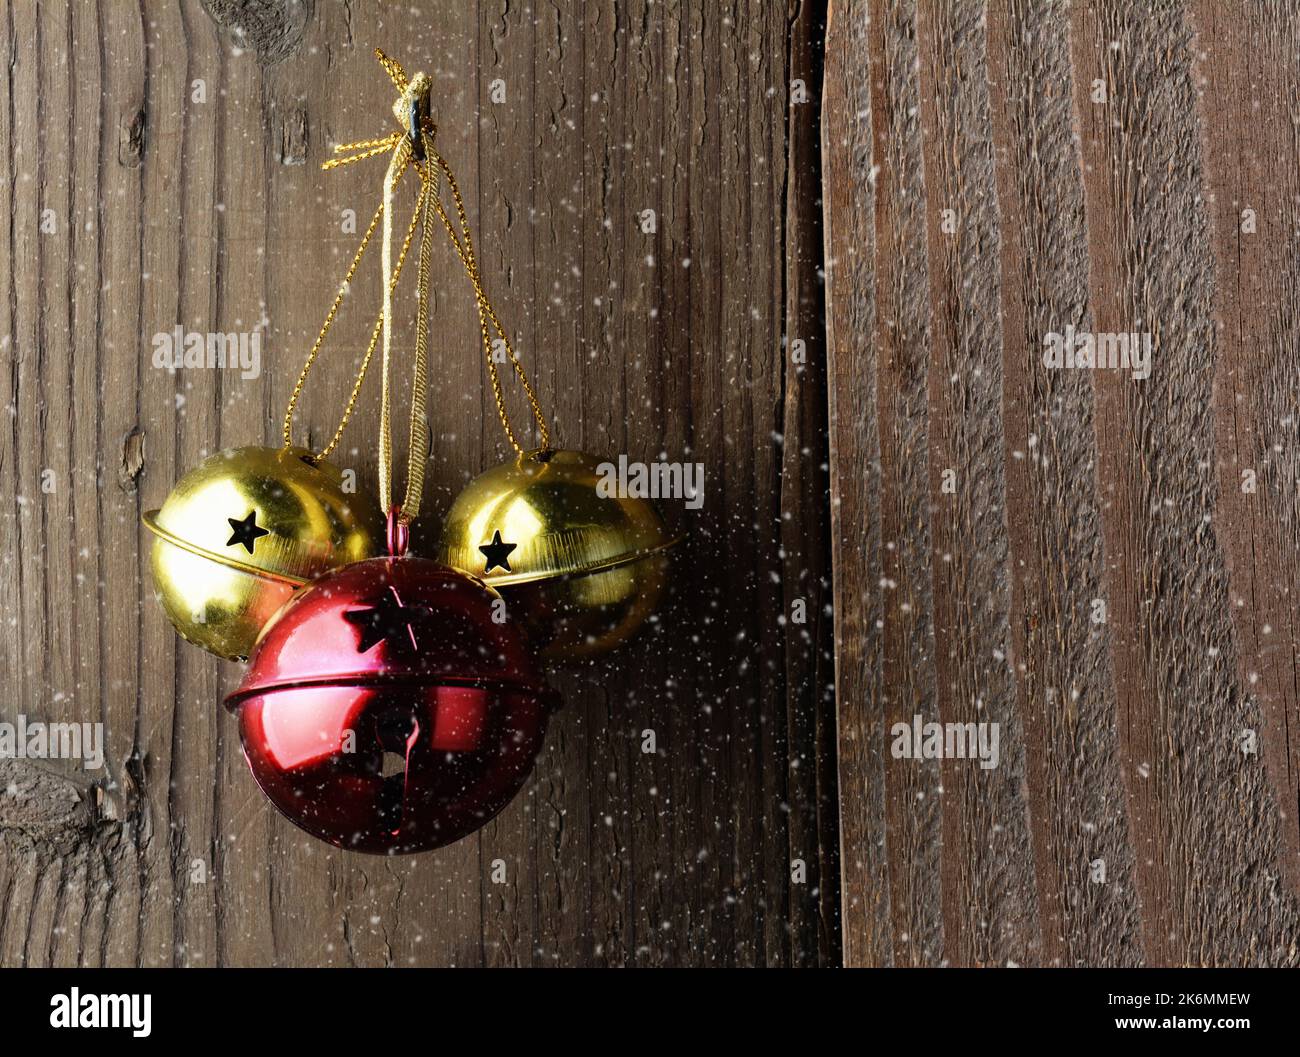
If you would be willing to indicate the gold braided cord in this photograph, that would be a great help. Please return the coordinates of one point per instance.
(400, 159)
(381, 144)
(465, 250)
(464, 246)
(367, 148)
(394, 70)
(418, 437)
(324, 330)
(355, 152)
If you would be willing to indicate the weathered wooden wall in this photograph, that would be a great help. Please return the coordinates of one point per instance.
(215, 215)
(1100, 159)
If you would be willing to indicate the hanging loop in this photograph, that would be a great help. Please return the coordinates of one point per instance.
(413, 147)
(399, 532)
(412, 111)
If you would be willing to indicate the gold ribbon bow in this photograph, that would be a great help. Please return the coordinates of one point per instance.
(412, 146)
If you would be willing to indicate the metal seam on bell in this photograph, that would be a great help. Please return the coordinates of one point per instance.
(604, 565)
(416, 679)
(150, 520)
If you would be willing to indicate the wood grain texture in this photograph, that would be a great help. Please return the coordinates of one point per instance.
(214, 214)
(1106, 581)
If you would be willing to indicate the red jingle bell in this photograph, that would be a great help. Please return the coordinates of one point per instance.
(393, 659)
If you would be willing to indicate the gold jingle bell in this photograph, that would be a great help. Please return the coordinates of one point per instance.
(580, 571)
(244, 530)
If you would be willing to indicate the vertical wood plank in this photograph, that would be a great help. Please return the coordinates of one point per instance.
(1254, 180)
(1111, 578)
(133, 920)
(990, 903)
(1066, 685)
(805, 526)
(505, 47)
(1182, 703)
(853, 200)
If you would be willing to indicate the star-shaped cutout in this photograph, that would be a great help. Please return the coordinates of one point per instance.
(246, 531)
(497, 553)
(387, 621)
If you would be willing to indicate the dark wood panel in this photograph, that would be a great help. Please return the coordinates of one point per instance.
(1104, 578)
(215, 215)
